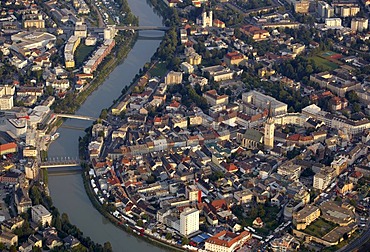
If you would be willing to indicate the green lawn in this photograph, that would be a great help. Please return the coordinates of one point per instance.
(82, 52)
(319, 228)
(326, 64)
(159, 70)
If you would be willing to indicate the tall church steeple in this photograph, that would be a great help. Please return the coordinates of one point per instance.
(268, 139)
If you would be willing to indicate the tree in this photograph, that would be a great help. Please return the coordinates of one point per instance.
(168, 236)
(107, 247)
(140, 223)
(185, 241)
(58, 223)
(104, 114)
(356, 107)
(352, 96)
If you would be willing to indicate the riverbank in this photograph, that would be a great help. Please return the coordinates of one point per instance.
(123, 225)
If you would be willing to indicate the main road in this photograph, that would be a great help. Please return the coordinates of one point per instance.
(67, 191)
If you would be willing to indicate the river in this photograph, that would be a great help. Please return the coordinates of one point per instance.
(67, 191)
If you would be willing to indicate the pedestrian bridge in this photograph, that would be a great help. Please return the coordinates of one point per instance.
(59, 163)
(80, 117)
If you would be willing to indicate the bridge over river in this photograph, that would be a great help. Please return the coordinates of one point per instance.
(59, 163)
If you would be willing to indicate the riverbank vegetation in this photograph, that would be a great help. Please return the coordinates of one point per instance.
(59, 221)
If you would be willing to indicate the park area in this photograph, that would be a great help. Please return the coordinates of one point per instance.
(82, 53)
(319, 228)
(159, 70)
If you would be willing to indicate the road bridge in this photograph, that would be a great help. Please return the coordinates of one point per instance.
(59, 163)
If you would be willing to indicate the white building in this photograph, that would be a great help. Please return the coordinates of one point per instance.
(110, 32)
(41, 215)
(207, 20)
(6, 97)
(333, 22)
(187, 68)
(359, 24)
(189, 221)
(322, 179)
(262, 102)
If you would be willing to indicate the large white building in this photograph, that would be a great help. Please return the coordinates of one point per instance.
(110, 32)
(262, 102)
(189, 221)
(6, 97)
(41, 215)
(25, 40)
(322, 179)
(359, 24)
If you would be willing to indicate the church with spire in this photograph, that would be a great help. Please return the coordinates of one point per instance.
(268, 139)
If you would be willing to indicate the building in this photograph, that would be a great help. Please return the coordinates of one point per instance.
(80, 29)
(336, 122)
(187, 67)
(193, 193)
(359, 24)
(6, 102)
(339, 164)
(323, 178)
(69, 51)
(99, 56)
(244, 196)
(34, 23)
(324, 10)
(214, 99)
(189, 221)
(292, 171)
(41, 215)
(218, 73)
(7, 144)
(173, 78)
(226, 241)
(333, 22)
(25, 41)
(8, 239)
(207, 20)
(218, 23)
(285, 243)
(262, 102)
(301, 6)
(305, 217)
(234, 58)
(255, 32)
(250, 139)
(338, 82)
(110, 32)
(268, 139)
(194, 59)
(341, 215)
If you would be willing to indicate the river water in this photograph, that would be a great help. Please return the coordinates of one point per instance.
(67, 191)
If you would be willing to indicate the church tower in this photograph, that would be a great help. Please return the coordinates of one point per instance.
(268, 139)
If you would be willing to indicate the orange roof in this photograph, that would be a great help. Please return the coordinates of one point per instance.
(231, 167)
(219, 203)
(175, 104)
(294, 137)
(227, 239)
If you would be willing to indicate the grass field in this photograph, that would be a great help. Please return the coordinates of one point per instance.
(326, 64)
(82, 52)
(319, 228)
(159, 70)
